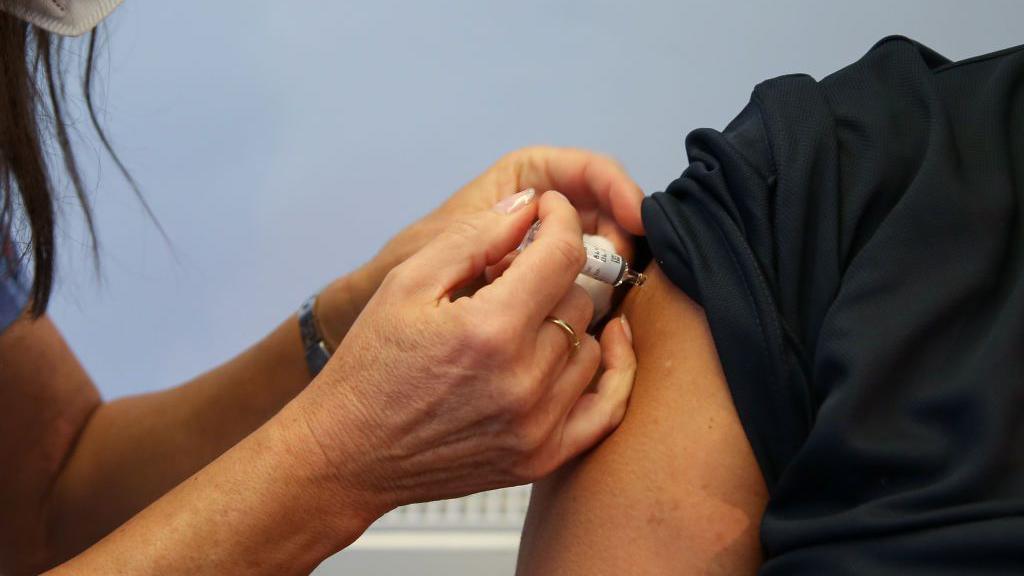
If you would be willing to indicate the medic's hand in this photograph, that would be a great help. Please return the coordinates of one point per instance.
(607, 199)
(430, 398)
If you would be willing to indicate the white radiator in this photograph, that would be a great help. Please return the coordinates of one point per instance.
(476, 535)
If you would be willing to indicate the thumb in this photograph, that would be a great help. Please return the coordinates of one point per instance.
(598, 413)
(464, 249)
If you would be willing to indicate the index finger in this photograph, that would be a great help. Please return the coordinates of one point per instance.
(545, 270)
(587, 180)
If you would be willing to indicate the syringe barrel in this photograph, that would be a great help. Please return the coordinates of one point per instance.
(603, 265)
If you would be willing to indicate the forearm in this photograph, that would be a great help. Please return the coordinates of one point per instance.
(269, 505)
(135, 449)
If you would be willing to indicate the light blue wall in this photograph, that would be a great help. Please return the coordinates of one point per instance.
(282, 143)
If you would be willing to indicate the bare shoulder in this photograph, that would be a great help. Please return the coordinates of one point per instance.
(676, 488)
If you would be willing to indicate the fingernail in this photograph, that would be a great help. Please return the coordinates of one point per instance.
(515, 201)
(626, 328)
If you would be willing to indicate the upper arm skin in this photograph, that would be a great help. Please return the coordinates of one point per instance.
(46, 398)
(675, 489)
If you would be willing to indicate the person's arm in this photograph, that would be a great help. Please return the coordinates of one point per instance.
(675, 489)
(364, 436)
(84, 466)
(269, 505)
(130, 451)
(113, 459)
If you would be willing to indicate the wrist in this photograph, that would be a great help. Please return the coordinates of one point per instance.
(340, 303)
(323, 501)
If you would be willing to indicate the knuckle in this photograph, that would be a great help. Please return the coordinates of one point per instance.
(463, 229)
(530, 151)
(587, 314)
(516, 159)
(396, 279)
(489, 339)
(527, 439)
(569, 251)
(582, 305)
(486, 340)
(519, 399)
(514, 156)
(610, 160)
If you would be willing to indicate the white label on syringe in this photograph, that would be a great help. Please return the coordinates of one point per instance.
(602, 265)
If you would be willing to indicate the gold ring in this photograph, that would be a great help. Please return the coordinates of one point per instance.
(574, 340)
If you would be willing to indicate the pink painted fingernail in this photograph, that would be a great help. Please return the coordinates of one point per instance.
(626, 328)
(515, 201)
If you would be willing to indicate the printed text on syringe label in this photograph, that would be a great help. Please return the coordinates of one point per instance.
(603, 265)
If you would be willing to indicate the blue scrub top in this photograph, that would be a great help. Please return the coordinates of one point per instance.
(14, 284)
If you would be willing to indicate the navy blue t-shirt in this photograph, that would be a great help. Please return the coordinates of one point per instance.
(857, 244)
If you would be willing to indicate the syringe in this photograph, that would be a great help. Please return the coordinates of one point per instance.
(603, 265)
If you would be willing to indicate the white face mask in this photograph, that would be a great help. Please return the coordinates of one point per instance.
(64, 17)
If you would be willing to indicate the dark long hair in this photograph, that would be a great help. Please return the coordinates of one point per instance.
(33, 98)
